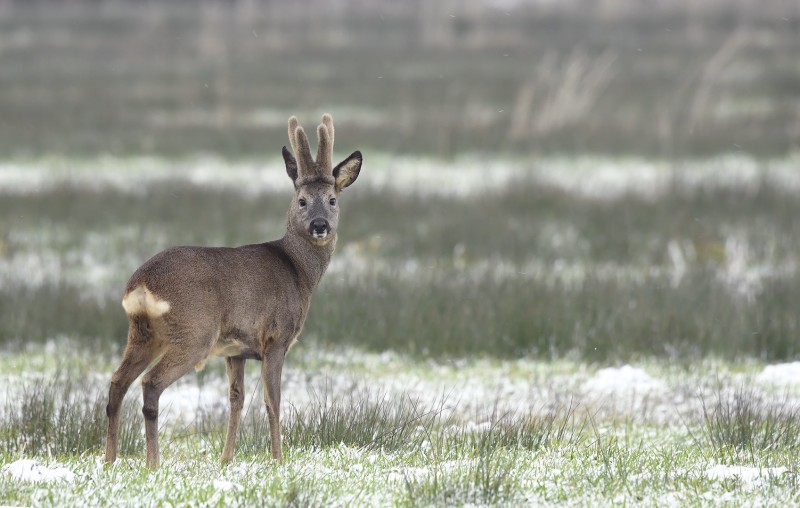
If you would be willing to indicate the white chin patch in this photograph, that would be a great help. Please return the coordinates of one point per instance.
(320, 236)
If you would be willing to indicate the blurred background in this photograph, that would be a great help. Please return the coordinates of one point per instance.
(667, 78)
(599, 180)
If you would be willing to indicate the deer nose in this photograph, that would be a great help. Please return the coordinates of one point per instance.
(320, 227)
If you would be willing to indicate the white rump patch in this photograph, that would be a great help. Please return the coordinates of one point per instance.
(142, 301)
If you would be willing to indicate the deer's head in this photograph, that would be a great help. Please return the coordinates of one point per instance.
(314, 212)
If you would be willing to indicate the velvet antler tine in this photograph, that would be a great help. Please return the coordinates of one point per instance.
(324, 149)
(303, 152)
(292, 128)
(327, 121)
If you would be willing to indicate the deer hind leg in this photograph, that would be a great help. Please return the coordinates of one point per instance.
(271, 368)
(138, 355)
(235, 367)
(174, 364)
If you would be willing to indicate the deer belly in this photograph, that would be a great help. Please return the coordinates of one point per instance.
(234, 344)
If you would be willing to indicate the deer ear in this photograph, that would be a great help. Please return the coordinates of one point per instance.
(291, 163)
(346, 172)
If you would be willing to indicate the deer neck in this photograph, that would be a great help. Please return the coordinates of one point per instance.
(310, 260)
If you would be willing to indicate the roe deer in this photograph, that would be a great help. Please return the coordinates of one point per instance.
(248, 302)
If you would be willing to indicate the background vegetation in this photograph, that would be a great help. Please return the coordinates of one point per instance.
(529, 271)
(663, 79)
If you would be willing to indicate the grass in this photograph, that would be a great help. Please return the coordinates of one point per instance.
(484, 480)
(344, 447)
(744, 422)
(600, 320)
(697, 269)
(60, 416)
(358, 420)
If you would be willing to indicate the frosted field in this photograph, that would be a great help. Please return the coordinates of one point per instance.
(382, 423)
(631, 434)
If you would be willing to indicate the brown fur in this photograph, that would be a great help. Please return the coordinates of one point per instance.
(248, 302)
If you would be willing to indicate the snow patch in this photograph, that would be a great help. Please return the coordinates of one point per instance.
(781, 374)
(602, 178)
(625, 380)
(464, 177)
(607, 179)
(751, 477)
(185, 400)
(32, 471)
(226, 485)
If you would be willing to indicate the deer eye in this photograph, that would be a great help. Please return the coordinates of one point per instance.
(301, 202)
(333, 201)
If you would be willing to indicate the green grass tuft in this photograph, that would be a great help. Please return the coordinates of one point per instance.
(61, 416)
(746, 422)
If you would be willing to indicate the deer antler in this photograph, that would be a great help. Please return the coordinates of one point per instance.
(325, 148)
(308, 168)
(292, 127)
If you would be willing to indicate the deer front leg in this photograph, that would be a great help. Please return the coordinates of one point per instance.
(271, 367)
(235, 367)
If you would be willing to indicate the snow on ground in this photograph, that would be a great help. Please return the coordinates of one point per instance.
(781, 375)
(610, 178)
(623, 381)
(186, 399)
(134, 175)
(603, 178)
(227, 485)
(474, 392)
(252, 178)
(32, 471)
(631, 392)
(751, 477)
